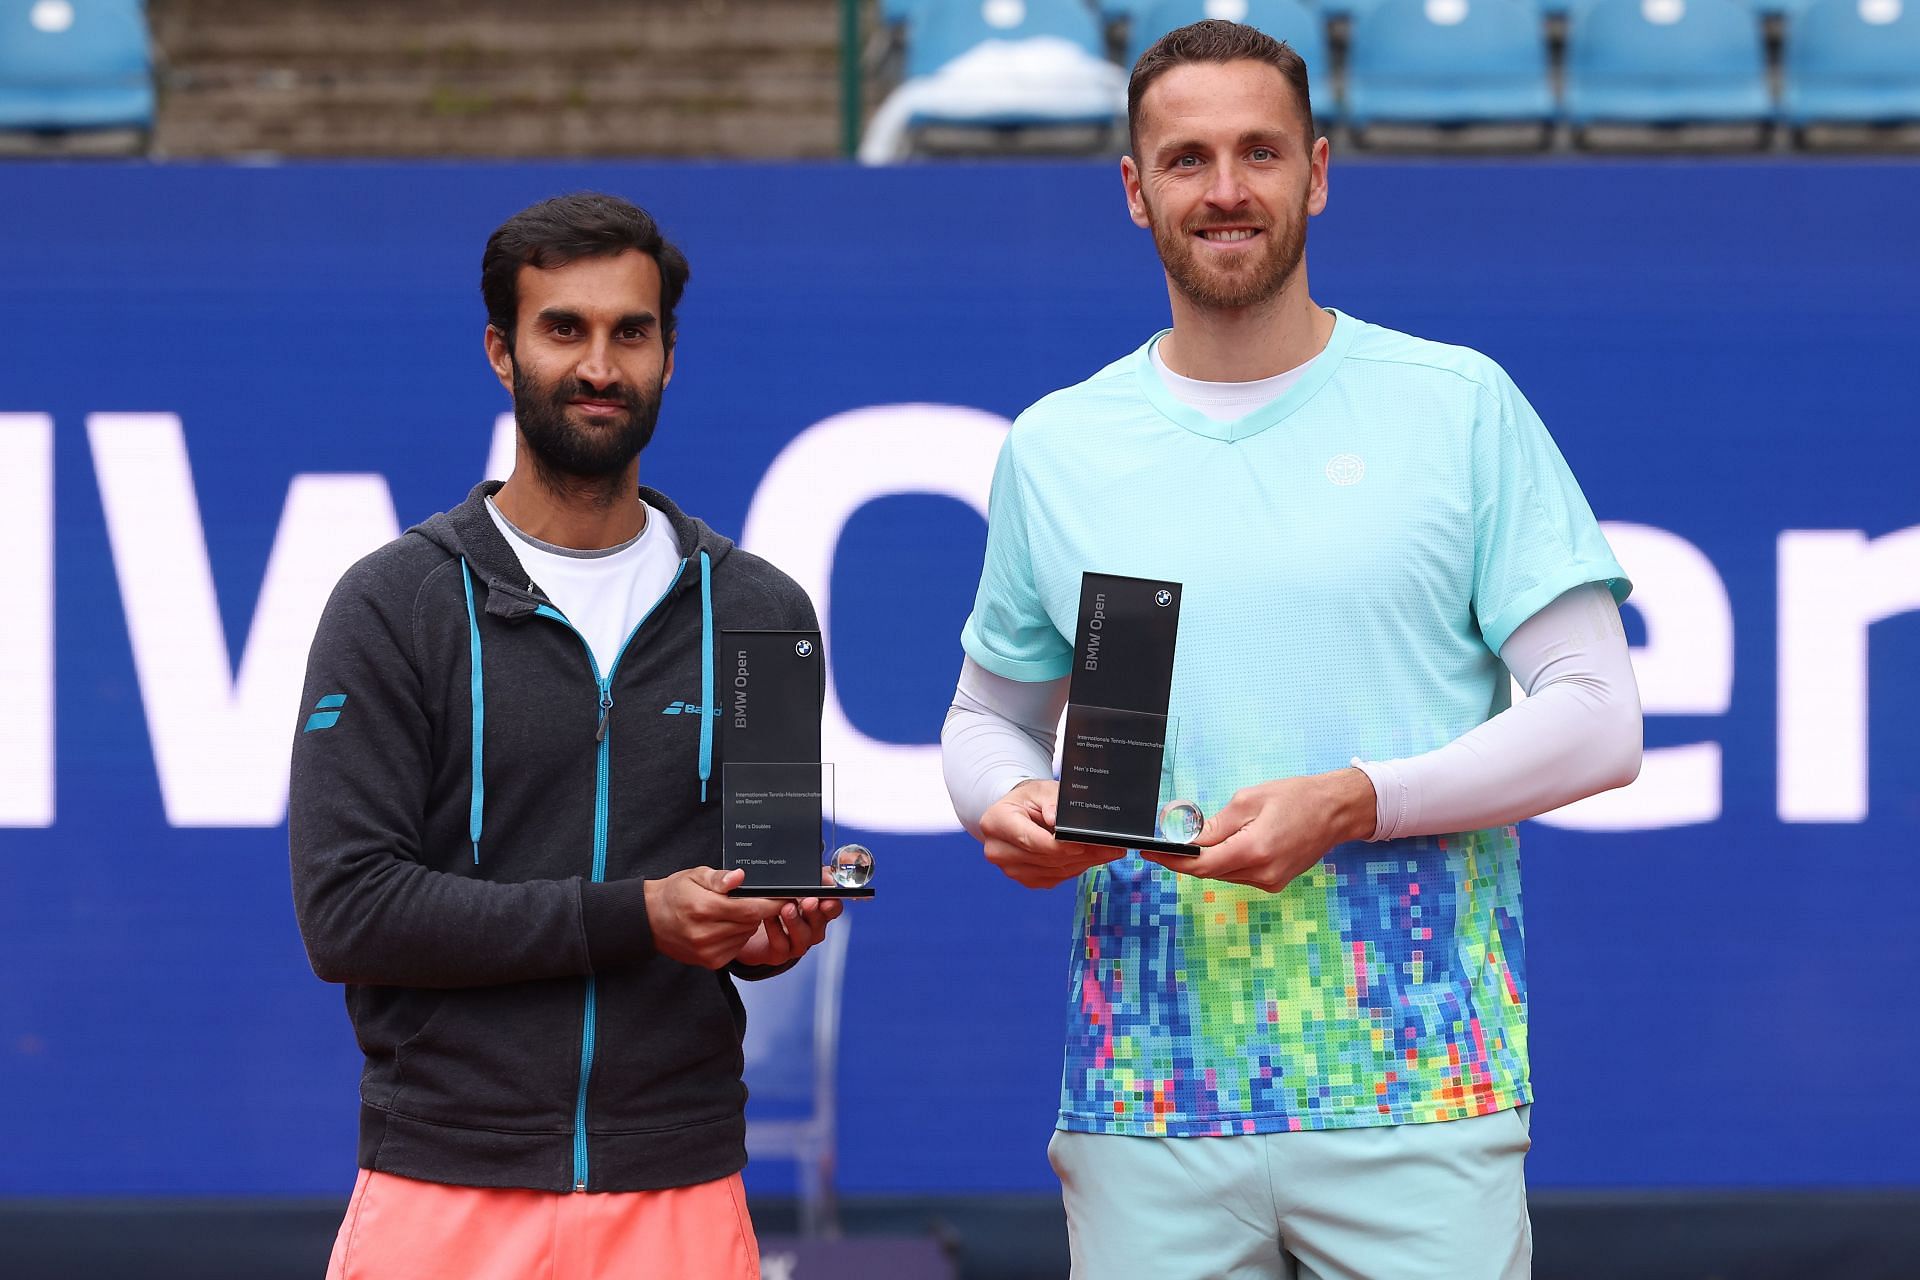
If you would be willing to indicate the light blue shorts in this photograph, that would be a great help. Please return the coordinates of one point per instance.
(1401, 1202)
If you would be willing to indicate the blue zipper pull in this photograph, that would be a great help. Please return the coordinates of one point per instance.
(606, 705)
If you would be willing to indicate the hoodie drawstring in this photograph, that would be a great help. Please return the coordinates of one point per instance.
(709, 707)
(479, 717)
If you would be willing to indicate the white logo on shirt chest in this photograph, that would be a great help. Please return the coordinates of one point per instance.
(1346, 469)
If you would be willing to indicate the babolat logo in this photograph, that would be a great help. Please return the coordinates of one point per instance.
(326, 712)
(688, 709)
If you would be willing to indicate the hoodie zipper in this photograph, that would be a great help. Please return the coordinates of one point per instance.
(602, 736)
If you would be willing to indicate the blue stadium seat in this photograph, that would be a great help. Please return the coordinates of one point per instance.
(1666, 62)
(1448, 62)
(992, 76)
(1854, 61)
(1287, 20)
(949, 28)
(902, 13)
(1767, 8)
(75, 64)
(1345, 8)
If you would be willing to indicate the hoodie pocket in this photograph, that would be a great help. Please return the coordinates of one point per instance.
(667, 1054)
(504, 1057)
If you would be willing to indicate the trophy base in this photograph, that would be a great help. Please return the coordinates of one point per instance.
(799, 891)
(1114, 840)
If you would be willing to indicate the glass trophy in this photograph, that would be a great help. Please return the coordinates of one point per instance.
(776, 796)
(776, 820)
(1117, 760)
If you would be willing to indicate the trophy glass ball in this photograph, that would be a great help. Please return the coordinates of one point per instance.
(851, 866)
(1181, 821)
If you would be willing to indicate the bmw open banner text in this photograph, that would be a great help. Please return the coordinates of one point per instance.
(219, 386)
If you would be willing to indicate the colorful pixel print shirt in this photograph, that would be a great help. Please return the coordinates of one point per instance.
(1353, 556)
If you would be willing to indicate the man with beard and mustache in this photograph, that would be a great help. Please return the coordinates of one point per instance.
(501, 824)
(1304, 1050)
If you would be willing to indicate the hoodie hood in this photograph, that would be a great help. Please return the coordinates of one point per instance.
(468, 533)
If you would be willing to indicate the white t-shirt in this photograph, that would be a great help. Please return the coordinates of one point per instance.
(1226, 401)
(604, 593)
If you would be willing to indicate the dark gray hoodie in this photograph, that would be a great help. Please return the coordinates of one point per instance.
(474, 809)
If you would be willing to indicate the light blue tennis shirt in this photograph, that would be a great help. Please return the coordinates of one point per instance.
(1353, 555)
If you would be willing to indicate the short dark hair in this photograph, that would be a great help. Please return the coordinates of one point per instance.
(564, 229)
(1214, 40)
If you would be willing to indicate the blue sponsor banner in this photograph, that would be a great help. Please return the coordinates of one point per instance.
(218, 385)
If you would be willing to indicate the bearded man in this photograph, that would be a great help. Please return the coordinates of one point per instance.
(1303, 1052)
(502, 847)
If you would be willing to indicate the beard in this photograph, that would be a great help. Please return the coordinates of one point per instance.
(1248, 283)
(565, 451)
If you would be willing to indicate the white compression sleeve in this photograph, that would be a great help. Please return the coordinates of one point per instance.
(1577, 732)
(998, 734)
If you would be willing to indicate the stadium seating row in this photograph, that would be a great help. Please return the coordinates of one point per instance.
(1123, 12)
(1462, 62)
(87, 64)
